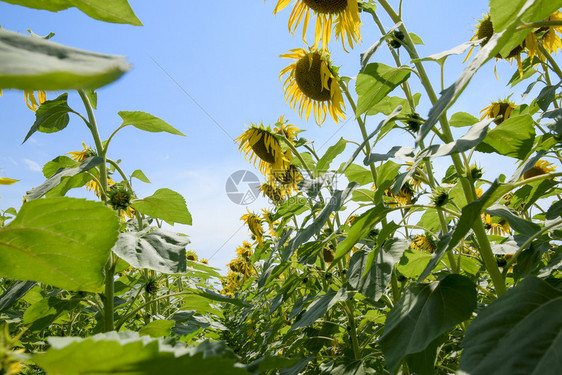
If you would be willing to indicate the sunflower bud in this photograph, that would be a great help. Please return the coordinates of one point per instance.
(398, 38)
(440, 196)
(119, 197)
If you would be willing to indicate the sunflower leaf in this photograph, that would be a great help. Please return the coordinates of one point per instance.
(514, 137)
(51, 116)
(157, 250)
(63, 242)
(116, 11)
(517, 333)
(31, 63)
(424, 313)
(147, 122)
(375, 82)
(164, 204)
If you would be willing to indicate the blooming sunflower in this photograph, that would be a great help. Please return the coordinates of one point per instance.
(244, 251)
(287, 178)
(80, 156)
(502, 108)
(272, 191)
(424, 243)
(287, 130)
(30, 100)
(541, 167)
(343, 15)
(312, 83)
(403, 197)
(204, 261)
(254, 223)
(495, 225)
(191, 255)
(261, 144)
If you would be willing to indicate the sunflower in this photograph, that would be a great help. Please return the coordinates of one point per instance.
(403, 197)
(191, 255)
(502, 108)
(440, 196)
(261, 144)
(254, 223)
(343, 15)
(550, 40)
(272, 191)
(244, 251)
(93, 185)
(287, 178)
(424, 243)
(268, 217)
(287, 130)
(204, 261)
(541, 167)
(312, 83)
(495, 225)
(30, 100)
(119, 197)
(80, 156)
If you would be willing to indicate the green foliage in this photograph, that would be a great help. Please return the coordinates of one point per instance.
(164, 204)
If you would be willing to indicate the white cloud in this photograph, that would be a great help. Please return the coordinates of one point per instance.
(32, 165)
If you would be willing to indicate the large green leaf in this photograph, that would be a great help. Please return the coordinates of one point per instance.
(158, 250)
(31, 63)
(424, 312)
(116, 11)
(519, 333)
(164, 204)
(51, 116)
(514, 137)
(321, 304)
(131, 354)
(370, 271)
(331, 153)
(43, 313)
(376, 82)
(147, 122)
(57, 178)
(64, 242)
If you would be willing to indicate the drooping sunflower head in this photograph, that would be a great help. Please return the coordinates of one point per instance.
(80, 156)
(495, 225)
(404, 196)
(541, 167)
(550, 39)
(287, 178)
(272, 191)
(254, 223)
(424, 242)
(341, 15)
(261, 145)
(244, 252)
(312, 83)
(499, 110)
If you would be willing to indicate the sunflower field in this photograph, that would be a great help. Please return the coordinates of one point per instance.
(408, 259)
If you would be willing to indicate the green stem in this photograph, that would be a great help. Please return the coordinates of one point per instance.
(348, 307)
(109, 295)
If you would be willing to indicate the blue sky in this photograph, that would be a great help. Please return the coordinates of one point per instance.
(209, 69)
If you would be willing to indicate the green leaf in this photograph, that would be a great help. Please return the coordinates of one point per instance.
(425, 312)
(43, 313)
(321, 304)
(520, 225)
(64, 242)
(291, 207)
(157, 250)
(517, 333)
(415, 38)
(331, 153)
(129, 353)
(504, 12)
(138, 174)
(147, 122)
(546, 96)
(514, 137)
(359, 174)
(164, 204)
(360, 227)
(388, 104)
(116, 11)
(376, 82)
(157, 328)
(442, 56)
(17, 290)
(369, 279)
(31, 63)
(461, 119)
(57, 178)
(51, 116)
(200, 304)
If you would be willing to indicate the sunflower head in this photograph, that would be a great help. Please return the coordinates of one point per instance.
(204, 261)
(191, 255)
(341, 15)
(328, 253)
(475, 172)
(119, 197)
(272, 191)
(440, 196)
(495, 225)
(287, 178)
(548, 36)
(261, 145)
(541, 167)
(397, 39)
(484, 30)
(404, 196)
(80, 156)
(244, 252)
(500, 110)
(414, 122)
(254, 223)
(287, 130)
(312, 83)
(151, 286)
(424, 242)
